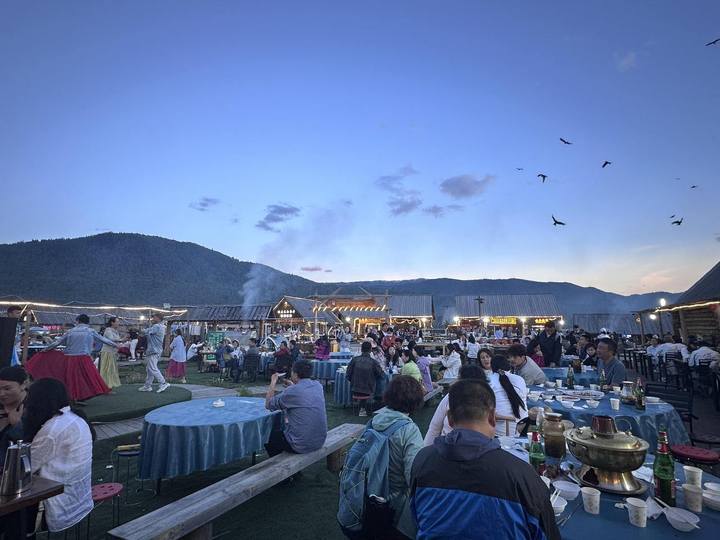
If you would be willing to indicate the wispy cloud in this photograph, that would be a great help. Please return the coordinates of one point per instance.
(438, 211)
(276, 214)
(404, 203)
(394, 182)
(466, 185)
(311, 268)
(626, 61)
(204, 204)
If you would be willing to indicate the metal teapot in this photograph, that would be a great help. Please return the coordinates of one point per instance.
(17, 474)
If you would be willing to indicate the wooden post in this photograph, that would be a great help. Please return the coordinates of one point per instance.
(683, 327)
(336, 460)
(202, 533)
(26, 336)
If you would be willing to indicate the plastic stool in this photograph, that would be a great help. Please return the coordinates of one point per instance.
(108, 492)
(693, 455)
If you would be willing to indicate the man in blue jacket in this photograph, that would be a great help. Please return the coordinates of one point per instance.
(466, 486)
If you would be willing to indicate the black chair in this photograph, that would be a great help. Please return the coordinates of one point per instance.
(681, 400)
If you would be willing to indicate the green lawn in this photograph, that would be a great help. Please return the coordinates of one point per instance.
(304, 510)
(126, 402)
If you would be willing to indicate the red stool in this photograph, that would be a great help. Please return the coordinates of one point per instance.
(107, 492)
(693, 455)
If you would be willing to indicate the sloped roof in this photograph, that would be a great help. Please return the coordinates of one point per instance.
(408, 305)
(499, 305)
(622, 323)
(58, 316)
(706, 288)
(226, 313)
(304, 307)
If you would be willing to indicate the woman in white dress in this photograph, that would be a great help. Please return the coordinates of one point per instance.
(108, 355)
(178, 358)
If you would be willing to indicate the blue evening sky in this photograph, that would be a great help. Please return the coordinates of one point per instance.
(188, 119)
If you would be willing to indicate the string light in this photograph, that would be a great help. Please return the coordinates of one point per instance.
(129, 308)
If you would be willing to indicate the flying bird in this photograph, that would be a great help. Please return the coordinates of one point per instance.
(556, 222)
(671, 217)
(543, 176)
(606, 163)
(519, 169)
(693, 187)
(678, 221)
(713, 42)
(564, 141)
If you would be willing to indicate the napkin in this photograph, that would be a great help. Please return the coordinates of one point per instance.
(644, 473)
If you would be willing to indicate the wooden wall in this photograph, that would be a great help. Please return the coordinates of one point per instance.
(703, 322)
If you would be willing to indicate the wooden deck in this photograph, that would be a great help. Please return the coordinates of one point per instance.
(134, 425)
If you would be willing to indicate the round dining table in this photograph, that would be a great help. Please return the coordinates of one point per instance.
(342, 393)
(644, 424)
(326, 369)
(181, 438)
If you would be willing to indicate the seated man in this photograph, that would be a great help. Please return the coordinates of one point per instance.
(303, 406)
(525, 366)
(607, 361)
(701, 352)
(363, 373)
(466, 486)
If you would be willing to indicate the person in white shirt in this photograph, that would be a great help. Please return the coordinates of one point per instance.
(510, 395)
(652, 349)
(61, 451)
(452, 362)
(178, 358)
(673, 345)
(439, 424)
(473, 348)
(702, 352)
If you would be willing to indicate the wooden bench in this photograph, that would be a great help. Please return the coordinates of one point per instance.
(432, 393)
(191, 517)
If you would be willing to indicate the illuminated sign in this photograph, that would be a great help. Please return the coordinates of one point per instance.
(543, 320)
(285, 313)
(503, 320)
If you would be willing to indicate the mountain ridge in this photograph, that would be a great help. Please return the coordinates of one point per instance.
(133, 268)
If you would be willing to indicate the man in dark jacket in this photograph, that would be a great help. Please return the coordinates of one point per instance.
(466, 486)
(550, 344)
(363, 373)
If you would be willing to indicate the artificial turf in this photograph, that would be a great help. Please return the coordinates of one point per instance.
(126, 402)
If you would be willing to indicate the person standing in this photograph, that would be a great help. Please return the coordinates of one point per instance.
(108, 355)
(550, 345)
(133, 345)
(363, 373)
(155, 337)
(73, 366)
(178, 358)
(473, 348)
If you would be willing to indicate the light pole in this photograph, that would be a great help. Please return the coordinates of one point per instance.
(480, 302)
(663, 303)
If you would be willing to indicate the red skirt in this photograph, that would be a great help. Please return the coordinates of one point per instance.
(78, 373)
(176, 370)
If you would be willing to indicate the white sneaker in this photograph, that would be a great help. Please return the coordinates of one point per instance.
(163, 387)
(145, 389)
(363, 412)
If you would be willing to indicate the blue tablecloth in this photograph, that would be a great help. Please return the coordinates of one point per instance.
(325, 369)
(195, 436)
(643, 424)
(565, 361)
(341, 356)
(613, 522)
(585, 379)
(342, 394)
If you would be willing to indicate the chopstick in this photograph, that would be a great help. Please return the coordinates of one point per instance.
(667, 506)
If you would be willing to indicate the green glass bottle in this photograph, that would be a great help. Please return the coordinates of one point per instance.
(603, 381)
(639, 395)
(664, 470)
(537, 454)
(570, 378)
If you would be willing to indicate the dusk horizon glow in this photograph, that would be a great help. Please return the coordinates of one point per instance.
(374, 142)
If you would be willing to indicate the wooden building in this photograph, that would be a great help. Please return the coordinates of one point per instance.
(697, 311)
(519, 311)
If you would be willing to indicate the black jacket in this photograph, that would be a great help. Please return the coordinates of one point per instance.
(550, 346)
(363, 373)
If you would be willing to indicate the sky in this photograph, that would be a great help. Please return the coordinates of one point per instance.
(373, 140)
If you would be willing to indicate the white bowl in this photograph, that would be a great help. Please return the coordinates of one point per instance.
(579, 387)
(592, 403)
(678, 518)
(711, 500)
(652, 399)
(713, 488)
(550, 384)
(559, 505)
(567, 404)
(568, 490)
